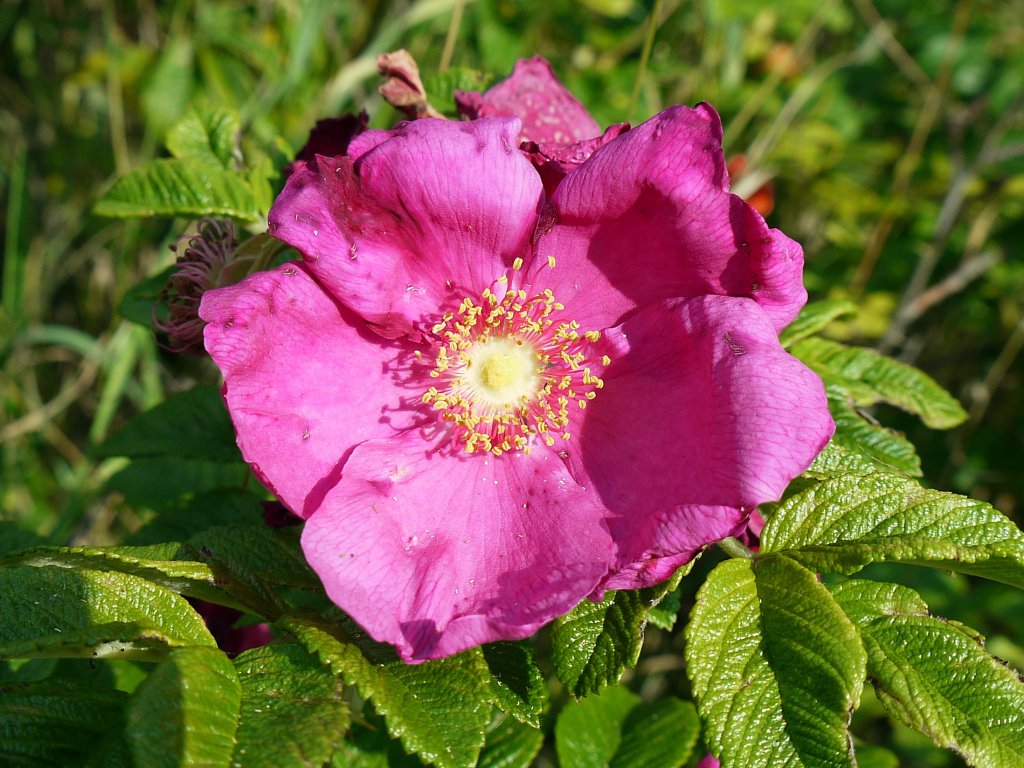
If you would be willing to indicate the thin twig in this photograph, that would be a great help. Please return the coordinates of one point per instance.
(912, 157)
(952, 284)
(906, 63)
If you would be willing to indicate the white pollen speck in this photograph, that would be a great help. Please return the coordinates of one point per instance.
(316, 232)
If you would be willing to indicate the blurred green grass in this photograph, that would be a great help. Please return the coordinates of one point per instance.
(893, 136)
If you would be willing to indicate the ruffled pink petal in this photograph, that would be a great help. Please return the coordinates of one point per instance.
(433, 210)
(303, 382)
(434, 552)
(550, 113)
(553, 161)
(702, 417)
(649, 217)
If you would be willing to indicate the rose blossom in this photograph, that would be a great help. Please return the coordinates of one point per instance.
(489, 403)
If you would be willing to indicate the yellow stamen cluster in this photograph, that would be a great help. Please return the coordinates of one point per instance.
(508, 368)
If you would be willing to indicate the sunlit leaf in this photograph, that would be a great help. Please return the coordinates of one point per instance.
(438, 709)
(813, 318)
(81, 613)
(871, 378)
(842, 524)
(776, 667)
(292, 711)
(180, 187)
(936, 676)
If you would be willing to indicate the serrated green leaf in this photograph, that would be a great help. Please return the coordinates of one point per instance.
(776, 666)
(813, 318)
(594, 643)
(842, 524)
(936, 676)
(870, 378)
(183, 577)
(615, 729)
(511, 744)
(175, 187)
(186, 711)
(517, 684)
(252, 562)
(193, 424)
(57, 612)
(207, 133)
(439, 709)
(292, 711)
(872, 446)
(55, 722)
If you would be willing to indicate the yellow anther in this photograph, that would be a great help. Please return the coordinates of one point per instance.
(551, 261)
(517, 263)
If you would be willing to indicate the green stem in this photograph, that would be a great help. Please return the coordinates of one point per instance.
(735, 548)
(645, 55)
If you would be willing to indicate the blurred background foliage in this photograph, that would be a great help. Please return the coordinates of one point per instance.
(891, 135)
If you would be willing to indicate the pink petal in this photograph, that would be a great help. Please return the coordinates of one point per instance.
(649, 217)
(702, 417)
(436, 552)
(550, 113)
(553, 161)
(435, 209)
(303, 382)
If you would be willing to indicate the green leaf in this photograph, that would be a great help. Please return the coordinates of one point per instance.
(193, 424)
(615, 729)
(594, 643)
(439, 709)
(813, 318)
(183, 577)
(776, 666)
(142, 299)
(161, 482)
(871, 378)
(865, 444)
(367, 745)
(936, 676)
(57, 612)
(186, 711)
(55, 722)
(588, 732)
(517, 684)
(207, 133)
(841, 525)
(292, 711)
(176, 187)
(511, 744)
(211, 509)
(441, 86)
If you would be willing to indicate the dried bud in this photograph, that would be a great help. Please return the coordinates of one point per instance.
(205, 262)
(402, 86)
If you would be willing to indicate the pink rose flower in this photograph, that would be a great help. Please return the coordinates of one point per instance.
(489, 403)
